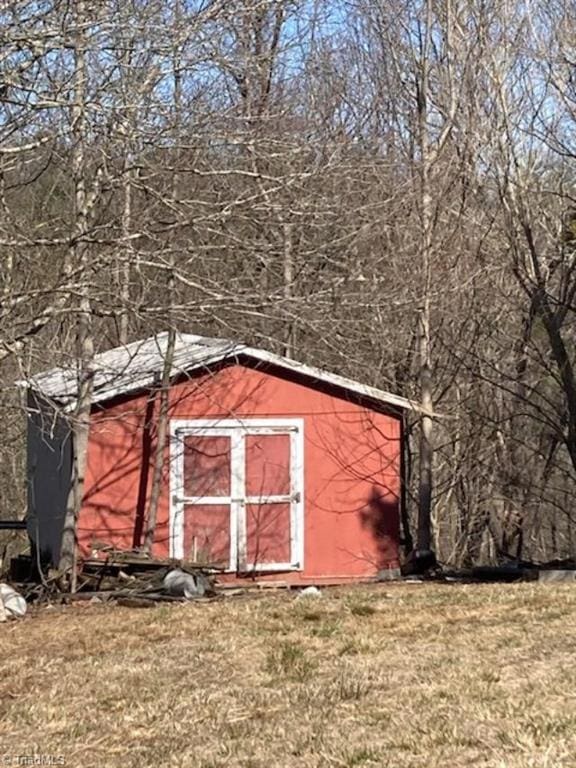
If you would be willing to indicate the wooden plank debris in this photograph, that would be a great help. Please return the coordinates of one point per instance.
(127, 575)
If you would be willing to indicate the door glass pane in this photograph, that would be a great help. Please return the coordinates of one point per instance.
(267, 533)
(267, 465)
(207, 533)
(206, 466)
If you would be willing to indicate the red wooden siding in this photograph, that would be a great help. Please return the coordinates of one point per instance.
(206, 466)
(207, 533)
(268, 533)
(267, 465)
(351, 474)
(207, 473)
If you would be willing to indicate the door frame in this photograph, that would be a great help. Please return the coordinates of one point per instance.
(236, 429)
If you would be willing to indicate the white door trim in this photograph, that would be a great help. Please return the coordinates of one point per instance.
(178, 500)
(237, 429)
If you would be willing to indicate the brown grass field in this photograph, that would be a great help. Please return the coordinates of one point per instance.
(405, 676)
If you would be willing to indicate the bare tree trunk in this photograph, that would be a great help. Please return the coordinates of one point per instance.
(288, 230)
(426, 452)
(162, 432)
(564, 366)
(125, 258)
(164, 408)
(84, 334)
(126, 254)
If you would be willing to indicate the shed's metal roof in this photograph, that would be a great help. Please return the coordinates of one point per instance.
(138, 365)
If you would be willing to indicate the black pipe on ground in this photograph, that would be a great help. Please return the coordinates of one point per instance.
(12, 525)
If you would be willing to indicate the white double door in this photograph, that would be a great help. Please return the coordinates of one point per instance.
(237, 493)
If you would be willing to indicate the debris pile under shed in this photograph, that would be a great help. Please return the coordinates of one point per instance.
(128, 578)
(134, 579)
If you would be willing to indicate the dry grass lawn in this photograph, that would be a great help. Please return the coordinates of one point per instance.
(405, 676)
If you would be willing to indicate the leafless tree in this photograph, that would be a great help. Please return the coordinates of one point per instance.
(381, 188)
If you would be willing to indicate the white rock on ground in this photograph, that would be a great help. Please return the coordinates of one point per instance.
(13, 604)
(310, 592)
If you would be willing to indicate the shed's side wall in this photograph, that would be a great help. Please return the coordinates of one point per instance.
(49, 460)
(352, 468)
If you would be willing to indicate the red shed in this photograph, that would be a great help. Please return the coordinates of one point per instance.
(272, 468)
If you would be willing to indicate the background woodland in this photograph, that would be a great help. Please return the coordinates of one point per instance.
(384, 188)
